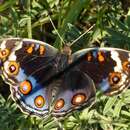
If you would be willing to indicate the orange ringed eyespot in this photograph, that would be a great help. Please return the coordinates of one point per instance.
(13, 68)
(25, 87)
(4, 53)
(114, 78)
(59, 104)
(39, 101)
(78, 98)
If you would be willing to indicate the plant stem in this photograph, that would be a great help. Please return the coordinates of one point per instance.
(29, 27)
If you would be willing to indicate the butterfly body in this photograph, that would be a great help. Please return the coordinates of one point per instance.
(46, 81)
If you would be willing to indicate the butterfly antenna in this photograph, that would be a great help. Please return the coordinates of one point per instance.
(82, 35)
(56, 30)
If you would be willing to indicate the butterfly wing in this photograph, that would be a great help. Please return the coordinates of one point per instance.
(76, 90)
(108, 67)
(26, 65)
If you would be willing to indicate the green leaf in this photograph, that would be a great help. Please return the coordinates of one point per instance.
(121, 25)
(117, 38)
(6, 5)
(126, 113)
(110, 103)
(128, 19)
(117, 108)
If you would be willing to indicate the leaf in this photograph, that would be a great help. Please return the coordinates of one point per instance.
(126, 113)
(120, 24)
(36, 4)
(128, 18)
(117, 38)
(110, 103)
(6, 5)
(117, 108)
(2, 100)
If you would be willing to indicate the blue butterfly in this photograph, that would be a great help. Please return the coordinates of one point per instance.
(46, 81)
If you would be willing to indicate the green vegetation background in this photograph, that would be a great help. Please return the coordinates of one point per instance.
(29, 18)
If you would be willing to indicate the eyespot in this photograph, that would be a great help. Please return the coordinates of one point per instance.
(59, 104)
(79, 98)
(13, 68)
(39, 101)
(126, 66)
(4, 53)
(25, 87)
(114, 78)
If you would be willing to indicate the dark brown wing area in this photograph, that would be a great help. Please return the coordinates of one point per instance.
(108, 67)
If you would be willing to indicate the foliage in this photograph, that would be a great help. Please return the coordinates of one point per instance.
(30, 18)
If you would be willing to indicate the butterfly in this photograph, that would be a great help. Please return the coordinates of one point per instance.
(44, 80)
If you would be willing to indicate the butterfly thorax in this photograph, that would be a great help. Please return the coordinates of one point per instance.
(67, 52)
(63, 59)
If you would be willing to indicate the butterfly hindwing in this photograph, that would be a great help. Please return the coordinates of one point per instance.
(76, 90)
(108, 67)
